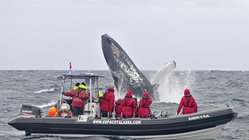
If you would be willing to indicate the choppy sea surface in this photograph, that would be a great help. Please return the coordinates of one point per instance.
(211, 89)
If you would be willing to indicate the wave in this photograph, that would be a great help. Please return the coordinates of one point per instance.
(244, 118)
(47, 104)
(238, 100)
(233, 84)
(45, 90)
(212, 78)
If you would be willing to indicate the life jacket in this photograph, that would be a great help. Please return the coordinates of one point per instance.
(79, 97)
(189, 105)
(82, 86)
(100, 94)
(75, 87)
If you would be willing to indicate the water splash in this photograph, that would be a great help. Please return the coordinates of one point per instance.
(172, 85)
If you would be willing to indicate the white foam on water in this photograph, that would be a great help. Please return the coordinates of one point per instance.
(171, 88)
(47, 104)
(45, 90)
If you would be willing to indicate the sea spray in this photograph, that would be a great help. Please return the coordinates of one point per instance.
(171, 87)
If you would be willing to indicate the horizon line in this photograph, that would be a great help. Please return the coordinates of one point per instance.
(109, 70)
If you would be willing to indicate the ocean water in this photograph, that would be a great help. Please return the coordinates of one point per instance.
(211, 89)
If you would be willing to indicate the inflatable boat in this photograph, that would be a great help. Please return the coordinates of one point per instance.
(201, 125)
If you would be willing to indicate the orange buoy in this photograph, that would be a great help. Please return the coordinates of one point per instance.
(52, 111)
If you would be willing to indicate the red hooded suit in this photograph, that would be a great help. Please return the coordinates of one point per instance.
(107, 101)
(144, 105)
(79, 97)
(129, 105)
(188, 103)
(118, 108)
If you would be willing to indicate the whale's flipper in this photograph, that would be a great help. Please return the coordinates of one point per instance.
(164, 70)
(125, 73)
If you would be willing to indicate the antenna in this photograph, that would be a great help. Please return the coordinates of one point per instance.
(70, 68)
(70, 72)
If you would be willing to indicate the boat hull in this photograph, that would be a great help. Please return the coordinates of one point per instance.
(204, 134)
(180, 126)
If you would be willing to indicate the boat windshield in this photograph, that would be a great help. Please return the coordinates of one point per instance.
(89, 79)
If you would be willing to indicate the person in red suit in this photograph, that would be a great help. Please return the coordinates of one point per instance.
(188, 103)
(129, 105)
(118, 108)
(107, 102)
(79, 99)
(144, 105)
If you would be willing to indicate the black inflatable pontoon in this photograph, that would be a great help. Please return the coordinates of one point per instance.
(202, 125)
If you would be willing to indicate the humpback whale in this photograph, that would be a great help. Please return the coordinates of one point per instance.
(125, 73)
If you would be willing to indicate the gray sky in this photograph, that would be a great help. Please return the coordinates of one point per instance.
(197, 34)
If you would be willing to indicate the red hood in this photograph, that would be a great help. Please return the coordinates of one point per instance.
(129, 93)
(110, 90)
(119, 101)
(186, 92)
(146, 95)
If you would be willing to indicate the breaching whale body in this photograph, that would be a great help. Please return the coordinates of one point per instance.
(125, 73)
